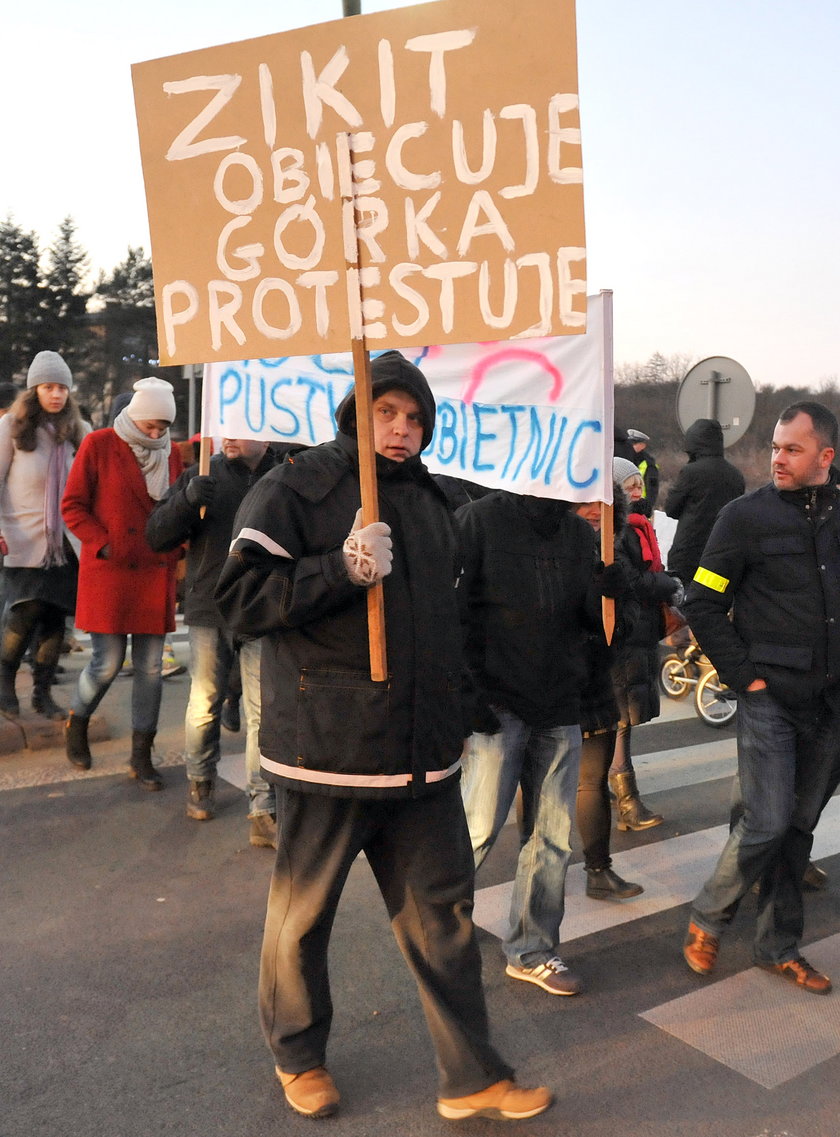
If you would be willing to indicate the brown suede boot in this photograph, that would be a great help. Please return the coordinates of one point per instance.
(312, 1093)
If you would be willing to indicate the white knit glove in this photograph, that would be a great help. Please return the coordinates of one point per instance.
(367, 551)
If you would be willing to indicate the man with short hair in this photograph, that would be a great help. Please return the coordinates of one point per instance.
(775, 555)
(200, 509)
(363, 765)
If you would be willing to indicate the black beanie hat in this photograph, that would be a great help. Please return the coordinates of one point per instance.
(388, 372)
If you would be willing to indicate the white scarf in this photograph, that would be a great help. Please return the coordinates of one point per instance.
(152, 454)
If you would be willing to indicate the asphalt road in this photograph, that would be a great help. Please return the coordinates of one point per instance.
(130, 938)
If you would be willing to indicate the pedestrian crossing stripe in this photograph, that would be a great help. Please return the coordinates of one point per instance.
(711, 580)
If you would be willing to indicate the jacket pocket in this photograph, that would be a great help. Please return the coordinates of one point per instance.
(787, 562)
(798, 657)
(342, 722)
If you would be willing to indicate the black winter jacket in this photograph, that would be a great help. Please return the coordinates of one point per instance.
(701, 490)
(775, 555)
(635, 661)
(174, 520)
(327, 727)
(528, 597)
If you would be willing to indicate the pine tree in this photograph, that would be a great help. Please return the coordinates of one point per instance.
(65, 296)
(21, 289)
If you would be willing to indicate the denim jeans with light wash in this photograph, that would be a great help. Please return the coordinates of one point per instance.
(787, 770)
(106, 658)
(545, 762)
(211, 657)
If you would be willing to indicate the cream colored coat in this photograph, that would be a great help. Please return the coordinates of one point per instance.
(23, 477)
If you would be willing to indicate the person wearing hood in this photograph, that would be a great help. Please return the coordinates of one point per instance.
(528, 597)
(703, 487)
(765, 607)
(361, 765)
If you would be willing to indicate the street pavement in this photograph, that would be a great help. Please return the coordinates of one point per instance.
(130, 941)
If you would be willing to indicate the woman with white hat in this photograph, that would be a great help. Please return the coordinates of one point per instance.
(38, 440)
(124, 587)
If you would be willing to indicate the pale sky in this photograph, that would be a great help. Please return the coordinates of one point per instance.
(710, 153)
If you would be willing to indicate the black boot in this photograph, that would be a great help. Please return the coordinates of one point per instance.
(141, 760)
(604, 884)
(9, 704)
(76, 741)
(42, 701)
(632, 811)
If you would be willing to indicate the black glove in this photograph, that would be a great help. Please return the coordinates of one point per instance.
(201, 490)
(611, 580)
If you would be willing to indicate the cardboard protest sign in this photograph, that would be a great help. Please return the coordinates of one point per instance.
(452, 127)
(533, 417)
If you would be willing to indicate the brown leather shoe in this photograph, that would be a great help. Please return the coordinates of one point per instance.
(800, 972)
(312, 1093)
(503, 1101)
(700, 950)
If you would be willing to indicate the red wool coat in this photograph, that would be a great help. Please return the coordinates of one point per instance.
(106, 503)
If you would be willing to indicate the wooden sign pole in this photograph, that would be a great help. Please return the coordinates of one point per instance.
(205, 448)
(367, 453)
(607, 556)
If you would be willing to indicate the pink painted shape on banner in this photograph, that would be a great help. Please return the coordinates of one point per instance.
(483, 366)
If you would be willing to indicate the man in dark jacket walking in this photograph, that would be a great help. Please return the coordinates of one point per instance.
(362, 765)
(178, 518)
(703, 487)
(529, 597)
(775, 555)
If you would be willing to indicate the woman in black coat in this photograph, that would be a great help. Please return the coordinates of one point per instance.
(599, 723)
(634, 670)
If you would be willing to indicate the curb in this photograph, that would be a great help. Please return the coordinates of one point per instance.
(32, 732)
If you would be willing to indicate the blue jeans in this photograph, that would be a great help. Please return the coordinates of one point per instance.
(546, 763)
(106, 659)
(211, 657)
(787, 770)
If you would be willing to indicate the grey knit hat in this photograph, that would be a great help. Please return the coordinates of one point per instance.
(48, 367)
(623, 469)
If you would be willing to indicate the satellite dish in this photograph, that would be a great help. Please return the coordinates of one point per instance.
(720, 389)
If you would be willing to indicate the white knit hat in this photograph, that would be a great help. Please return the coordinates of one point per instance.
(152, 399)
(48, 367)
(623, 469)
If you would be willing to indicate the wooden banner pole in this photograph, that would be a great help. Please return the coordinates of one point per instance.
(607, 556)
(367, 450)
(204, 452)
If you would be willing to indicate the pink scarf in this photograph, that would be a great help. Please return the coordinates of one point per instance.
(53, 493)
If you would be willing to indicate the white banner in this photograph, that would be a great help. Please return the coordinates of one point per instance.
(534, 417)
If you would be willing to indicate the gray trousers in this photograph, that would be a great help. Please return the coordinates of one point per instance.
(419, 851)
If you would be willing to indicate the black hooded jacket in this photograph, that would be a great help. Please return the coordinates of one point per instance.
(528, 597)
(327, 727)
(702, 489)
(175, 520)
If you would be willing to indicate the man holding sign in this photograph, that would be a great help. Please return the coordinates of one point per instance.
(361, 765)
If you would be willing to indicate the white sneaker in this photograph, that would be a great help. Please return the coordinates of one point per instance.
(553, 976)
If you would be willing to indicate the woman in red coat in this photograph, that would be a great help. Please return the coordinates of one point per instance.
(124, 587)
